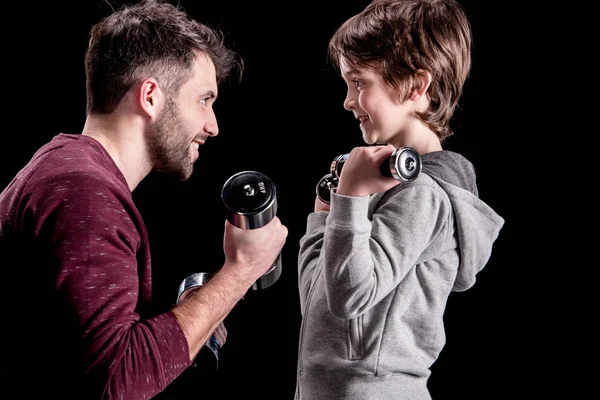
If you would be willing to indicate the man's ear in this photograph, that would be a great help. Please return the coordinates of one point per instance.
(421, 84)
(151, 97)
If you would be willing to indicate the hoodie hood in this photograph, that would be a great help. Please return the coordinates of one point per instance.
(478, 225)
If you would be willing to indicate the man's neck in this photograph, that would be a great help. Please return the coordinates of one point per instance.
(123, 139)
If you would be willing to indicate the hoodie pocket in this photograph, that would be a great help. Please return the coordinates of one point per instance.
(355, 339)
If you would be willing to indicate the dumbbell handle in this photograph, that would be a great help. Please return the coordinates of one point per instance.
(386, 168)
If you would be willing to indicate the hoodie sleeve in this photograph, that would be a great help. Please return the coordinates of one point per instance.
(364, 260)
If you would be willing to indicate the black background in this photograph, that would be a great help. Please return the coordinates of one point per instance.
(286, 120)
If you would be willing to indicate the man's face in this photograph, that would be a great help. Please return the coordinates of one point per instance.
(185, 122)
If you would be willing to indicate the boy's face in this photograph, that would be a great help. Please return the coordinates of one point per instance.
(383, 118)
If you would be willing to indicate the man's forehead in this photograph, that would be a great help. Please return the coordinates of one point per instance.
(204, 72)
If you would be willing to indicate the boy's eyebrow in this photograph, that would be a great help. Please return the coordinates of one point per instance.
(209, 93)
(350, 71)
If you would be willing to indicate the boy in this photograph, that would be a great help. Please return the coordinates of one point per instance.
(377, 264)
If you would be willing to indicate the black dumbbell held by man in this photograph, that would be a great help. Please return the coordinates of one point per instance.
(207, 358)
(250, 200)
(404, 165)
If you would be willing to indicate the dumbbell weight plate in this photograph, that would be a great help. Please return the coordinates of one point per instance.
(404, 164)
(250, 199)
(326, 183)
(336, 165)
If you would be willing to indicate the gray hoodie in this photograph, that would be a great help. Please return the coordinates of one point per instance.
(374, 276)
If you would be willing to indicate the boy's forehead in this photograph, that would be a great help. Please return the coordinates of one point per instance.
(346, 68)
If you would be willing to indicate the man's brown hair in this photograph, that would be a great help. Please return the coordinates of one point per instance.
(148, 39)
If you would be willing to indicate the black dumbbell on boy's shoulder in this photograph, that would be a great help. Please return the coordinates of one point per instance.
(404, 164)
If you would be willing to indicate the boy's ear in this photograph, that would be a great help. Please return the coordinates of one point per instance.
(421, 84)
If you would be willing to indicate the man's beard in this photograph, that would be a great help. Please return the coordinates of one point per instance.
(169, 146)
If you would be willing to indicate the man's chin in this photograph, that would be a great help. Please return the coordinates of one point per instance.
(182, 174)
(186, 174)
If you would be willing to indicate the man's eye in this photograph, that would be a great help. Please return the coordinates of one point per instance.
(204, 102)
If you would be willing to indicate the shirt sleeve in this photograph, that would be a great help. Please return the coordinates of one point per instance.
(93, 231)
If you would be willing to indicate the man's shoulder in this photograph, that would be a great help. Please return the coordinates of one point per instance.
(77, 193)
(72, 163)
(72, 152)
(60, 175)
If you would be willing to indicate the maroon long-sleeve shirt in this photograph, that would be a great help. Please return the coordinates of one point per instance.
(76, 298)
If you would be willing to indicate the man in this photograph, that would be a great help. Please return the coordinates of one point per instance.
(77, 308)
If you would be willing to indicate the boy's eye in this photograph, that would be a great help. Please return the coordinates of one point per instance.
(204, 101)
(357, 83)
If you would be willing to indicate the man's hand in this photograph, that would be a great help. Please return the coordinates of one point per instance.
(220, 334)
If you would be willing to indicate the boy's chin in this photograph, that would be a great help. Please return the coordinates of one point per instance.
(368, 139)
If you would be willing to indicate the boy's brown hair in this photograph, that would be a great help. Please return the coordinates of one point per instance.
(397, 38)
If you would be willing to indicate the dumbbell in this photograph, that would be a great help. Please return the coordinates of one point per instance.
(326, 183)
(404, 165)
(208, 357)
(250, 200)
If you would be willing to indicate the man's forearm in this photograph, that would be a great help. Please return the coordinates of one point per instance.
(204, 308)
